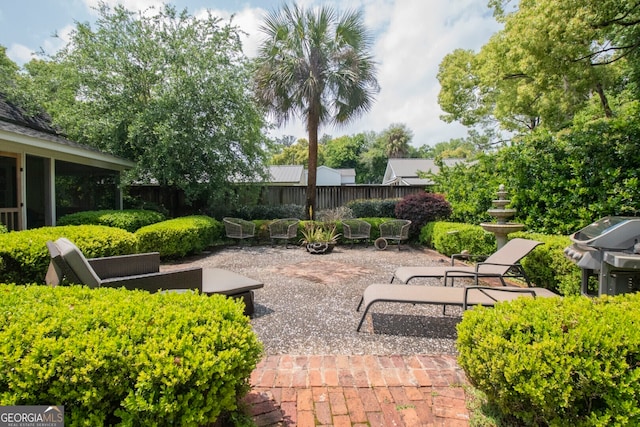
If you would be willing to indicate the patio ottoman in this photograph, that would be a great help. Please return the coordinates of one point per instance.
(220, 281)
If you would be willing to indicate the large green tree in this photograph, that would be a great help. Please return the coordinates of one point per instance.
(344, 152)
(551, 59)
(316, 64)
(163, 88)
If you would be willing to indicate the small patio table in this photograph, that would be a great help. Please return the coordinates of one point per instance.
(220, 281)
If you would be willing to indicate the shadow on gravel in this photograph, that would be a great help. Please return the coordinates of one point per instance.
(415, 326)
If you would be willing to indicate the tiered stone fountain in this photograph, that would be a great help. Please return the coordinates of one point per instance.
(501, 228)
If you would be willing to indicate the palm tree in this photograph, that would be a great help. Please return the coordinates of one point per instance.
(315, 64)
(396, 139)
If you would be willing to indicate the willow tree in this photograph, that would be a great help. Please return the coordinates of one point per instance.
(315, 64)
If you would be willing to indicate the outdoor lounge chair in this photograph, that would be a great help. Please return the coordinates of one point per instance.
(356, 229)
(237, 228)
(142, 271)
(505, 262)
(464, 297)
(137, 271)
(284, 229)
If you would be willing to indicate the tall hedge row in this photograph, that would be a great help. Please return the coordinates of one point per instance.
(25, 256)
(127, 219)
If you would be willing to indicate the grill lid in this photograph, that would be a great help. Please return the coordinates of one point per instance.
(610, 232)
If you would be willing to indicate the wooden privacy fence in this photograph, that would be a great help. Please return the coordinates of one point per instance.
(330, 197)
(327, 197)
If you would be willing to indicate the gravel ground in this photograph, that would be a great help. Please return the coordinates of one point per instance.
(308, 303)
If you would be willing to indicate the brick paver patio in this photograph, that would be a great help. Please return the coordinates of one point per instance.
(358, 391)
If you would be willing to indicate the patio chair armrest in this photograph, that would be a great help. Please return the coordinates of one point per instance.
(493, 289)
(475, 275)
(292, 229)
(480, 264)
(183, 279)
(470, 257)
(126, 265)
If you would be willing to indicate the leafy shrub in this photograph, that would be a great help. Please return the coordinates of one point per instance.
(375, 225)
(557, 361)
(421, 208)
(547, 266)
(113, 356)
(372, 208)
(450, 238)
(180, 236)
(129, 220)
(269, 212)
(336, 214)
(25, 255)
(3, 229)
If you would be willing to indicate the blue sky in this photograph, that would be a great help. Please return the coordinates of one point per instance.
(411, 38)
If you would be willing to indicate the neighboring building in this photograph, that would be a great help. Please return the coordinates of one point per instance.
(297, 175)
(327, 176)
(287, 175)
(347, 176)
(405, 171)
(44, 175)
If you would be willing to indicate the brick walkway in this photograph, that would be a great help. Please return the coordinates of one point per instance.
(358, 391)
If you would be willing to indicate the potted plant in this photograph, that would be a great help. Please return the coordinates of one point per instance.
(319, 238)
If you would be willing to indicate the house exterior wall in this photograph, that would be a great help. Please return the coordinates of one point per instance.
(25, 149)
(327, 176)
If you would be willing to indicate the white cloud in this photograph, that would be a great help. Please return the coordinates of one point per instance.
(20, 54)
(412, 38)
(409, 50)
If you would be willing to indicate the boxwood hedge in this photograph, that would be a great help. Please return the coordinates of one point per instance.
(450, 238)
(128, 219)
(179, 237)
(25, 256)
(118, 357)
(557, 361)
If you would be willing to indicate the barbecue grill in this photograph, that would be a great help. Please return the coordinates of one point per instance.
(609, 249)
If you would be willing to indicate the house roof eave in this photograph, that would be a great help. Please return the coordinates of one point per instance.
(56, 147)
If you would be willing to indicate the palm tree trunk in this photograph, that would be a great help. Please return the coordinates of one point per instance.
(312, 128)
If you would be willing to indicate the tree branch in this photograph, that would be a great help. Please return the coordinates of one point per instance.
(620, 20)
(630, 48)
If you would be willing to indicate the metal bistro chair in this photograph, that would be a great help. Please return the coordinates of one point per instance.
(356, 229)
(285, 229)
(396, 229)
(236, 228)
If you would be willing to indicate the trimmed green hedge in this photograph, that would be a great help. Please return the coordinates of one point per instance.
(129, 219)
(547, 266)
(25, 256)
(556, 361)
(450, 238)
(373, 208)
(118, 357)
(179, 237)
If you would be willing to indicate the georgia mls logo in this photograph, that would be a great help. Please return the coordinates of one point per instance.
(31, 416)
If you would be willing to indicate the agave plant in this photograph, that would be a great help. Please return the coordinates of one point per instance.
(319, 233)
